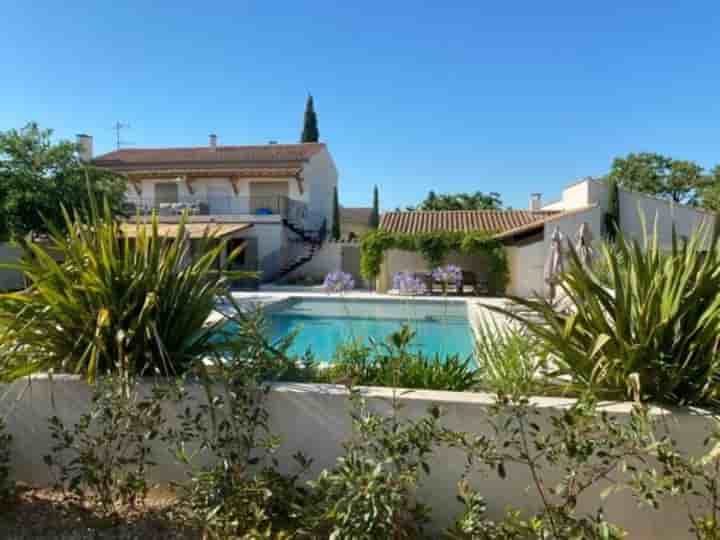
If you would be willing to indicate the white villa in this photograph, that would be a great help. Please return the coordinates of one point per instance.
(274, 198)
(526, 233)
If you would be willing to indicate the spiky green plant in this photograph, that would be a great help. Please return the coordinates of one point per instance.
(510, 362)
(649, 329)
(102, 302)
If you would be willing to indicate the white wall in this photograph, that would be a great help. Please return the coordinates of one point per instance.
(10, 279)
(272, 249)
(576, 195)
(332, 256)
(527, 261)
(321, 176)
(314, 419)
(686, 219)
(525, 265)
(327, 259)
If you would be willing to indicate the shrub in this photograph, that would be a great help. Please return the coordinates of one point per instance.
(105, 457)
(509, 360)
(112, 303)
(370, 493)
(657, 324)
(234, 489)
(391, 363)
(587, 446)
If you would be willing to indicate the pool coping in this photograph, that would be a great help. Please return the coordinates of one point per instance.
(476, 306)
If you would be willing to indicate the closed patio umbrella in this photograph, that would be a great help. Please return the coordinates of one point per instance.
(583, 245)
(553, 264)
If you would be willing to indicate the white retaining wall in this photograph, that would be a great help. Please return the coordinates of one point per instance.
(314, 419)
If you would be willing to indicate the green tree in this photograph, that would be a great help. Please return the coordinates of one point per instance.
(335, 233)
(460, 201)
(677, 180)
(37, 176)
(310, 132)
(710, 191)
(375, 216)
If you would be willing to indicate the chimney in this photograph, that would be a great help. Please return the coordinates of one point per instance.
(85, 147)
(213, 140)
(535, 202)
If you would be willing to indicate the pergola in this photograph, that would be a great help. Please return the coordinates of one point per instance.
(188, 176)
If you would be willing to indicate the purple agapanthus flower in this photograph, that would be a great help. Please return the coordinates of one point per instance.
(338, 281)
(407, 283)
(448, 274)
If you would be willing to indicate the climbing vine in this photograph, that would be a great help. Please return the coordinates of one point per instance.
(434, 248)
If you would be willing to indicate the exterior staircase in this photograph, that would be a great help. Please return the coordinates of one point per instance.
(311, 241)
(297, 261)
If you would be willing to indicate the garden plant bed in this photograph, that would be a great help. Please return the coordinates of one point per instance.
(46, 513)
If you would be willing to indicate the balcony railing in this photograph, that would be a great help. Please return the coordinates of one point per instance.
(256, 205)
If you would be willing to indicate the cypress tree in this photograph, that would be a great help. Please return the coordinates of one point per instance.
(336, 216)
(375, 215)
(310, 132)
(612, 216)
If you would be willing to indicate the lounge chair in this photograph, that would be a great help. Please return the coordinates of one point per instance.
(478, 286)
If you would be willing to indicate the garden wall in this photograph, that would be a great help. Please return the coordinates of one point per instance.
(397, 260)
(314, 419)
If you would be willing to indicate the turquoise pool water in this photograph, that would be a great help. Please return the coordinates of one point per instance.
(441, 327)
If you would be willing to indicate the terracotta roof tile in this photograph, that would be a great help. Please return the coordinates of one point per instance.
(492, 221)
(261, 156)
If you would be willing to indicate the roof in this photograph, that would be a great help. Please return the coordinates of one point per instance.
(259, 156)
(360, 216)
(195, 230)
(491, 221)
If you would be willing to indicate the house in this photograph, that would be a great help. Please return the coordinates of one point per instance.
(276, 199)
(526, 233)
(354, 222)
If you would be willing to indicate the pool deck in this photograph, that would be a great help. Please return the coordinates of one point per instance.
(271, 294)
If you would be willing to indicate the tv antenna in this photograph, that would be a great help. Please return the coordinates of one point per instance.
(117, 128)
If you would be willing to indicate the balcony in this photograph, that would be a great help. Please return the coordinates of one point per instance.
(255, 205)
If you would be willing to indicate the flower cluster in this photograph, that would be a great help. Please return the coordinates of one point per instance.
(448, 275)
(338, 282)
(407, 283)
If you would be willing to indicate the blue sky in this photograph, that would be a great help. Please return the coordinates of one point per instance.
(453, 96)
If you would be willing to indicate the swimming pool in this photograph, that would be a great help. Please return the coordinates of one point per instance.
(324, 323)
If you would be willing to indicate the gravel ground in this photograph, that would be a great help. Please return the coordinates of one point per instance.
(48, 514)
